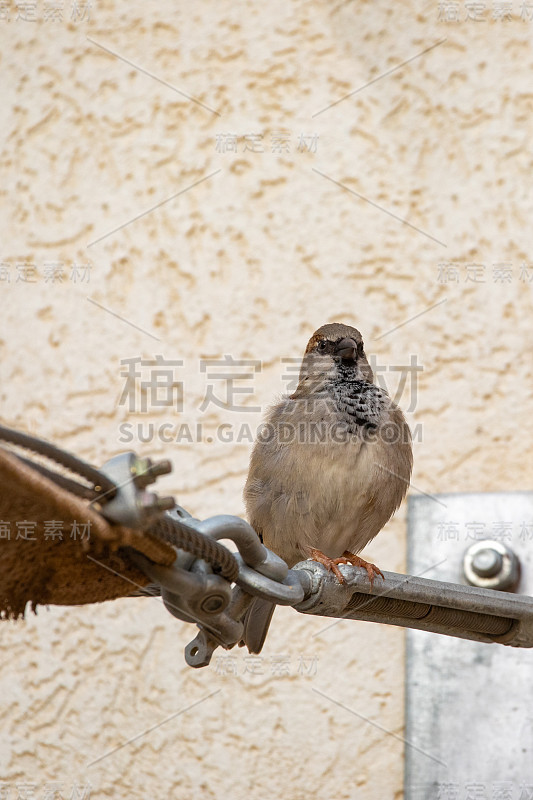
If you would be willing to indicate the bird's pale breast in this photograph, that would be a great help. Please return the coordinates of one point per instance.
(334, 495)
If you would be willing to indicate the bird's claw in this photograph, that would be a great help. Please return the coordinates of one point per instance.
(346, 558)
(357, 561)
(329, 563)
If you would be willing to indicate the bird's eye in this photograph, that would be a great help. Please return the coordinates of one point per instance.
(322, 345)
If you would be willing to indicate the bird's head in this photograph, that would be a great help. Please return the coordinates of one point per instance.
(334, 352)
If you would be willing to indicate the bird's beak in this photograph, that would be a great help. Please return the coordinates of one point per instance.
(347, 349)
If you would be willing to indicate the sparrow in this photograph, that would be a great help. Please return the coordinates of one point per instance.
(333, 460)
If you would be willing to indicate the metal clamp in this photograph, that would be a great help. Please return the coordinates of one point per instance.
(191, 591)
(132, 505)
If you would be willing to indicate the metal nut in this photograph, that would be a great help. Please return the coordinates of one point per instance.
(491, 565)
(214, 603)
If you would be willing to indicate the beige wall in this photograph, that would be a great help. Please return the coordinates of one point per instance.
(249, 263)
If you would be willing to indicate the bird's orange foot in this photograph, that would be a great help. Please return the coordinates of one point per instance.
(329, 563)
(356, 561)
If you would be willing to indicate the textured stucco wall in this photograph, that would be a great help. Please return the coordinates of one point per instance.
(249, 263)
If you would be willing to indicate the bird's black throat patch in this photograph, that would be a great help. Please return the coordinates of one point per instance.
(363, 403)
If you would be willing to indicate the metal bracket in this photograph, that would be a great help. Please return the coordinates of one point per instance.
(469, 718)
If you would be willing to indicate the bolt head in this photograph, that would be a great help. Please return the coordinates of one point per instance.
(487, 563)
